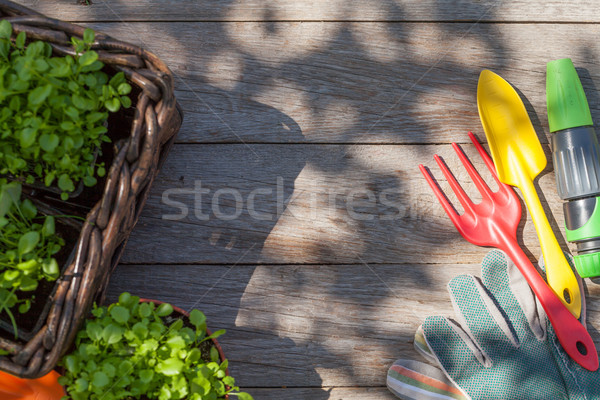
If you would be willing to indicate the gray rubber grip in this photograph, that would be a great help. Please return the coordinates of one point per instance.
(576, 157)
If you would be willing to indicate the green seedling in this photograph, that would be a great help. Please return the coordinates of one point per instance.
(129, 350)
(53, 110)
(28, 243)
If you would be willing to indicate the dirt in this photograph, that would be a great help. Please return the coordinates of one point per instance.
(119, 127)
(30, 322)
(204, 347)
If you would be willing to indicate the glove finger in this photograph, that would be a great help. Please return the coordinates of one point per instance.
(509, 288)
(480, 316)
(453, 349)
(414, 380)
(524, 374)
(422, 347)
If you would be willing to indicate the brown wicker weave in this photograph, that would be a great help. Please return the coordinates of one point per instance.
(108, 224)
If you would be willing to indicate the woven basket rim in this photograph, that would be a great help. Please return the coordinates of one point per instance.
(136, 162)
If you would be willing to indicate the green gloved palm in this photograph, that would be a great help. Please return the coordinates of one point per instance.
(500, 346)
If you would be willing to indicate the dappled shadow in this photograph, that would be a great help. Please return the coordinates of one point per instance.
(341, 88)
(325, 118)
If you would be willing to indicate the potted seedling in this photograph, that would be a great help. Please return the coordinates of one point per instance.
(29, 246)
(53, 122)
(145, 349)
(70, 136)
(54, 111)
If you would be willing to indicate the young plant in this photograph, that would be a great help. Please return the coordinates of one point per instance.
(53, 110)
(28, 243)
(133, 350)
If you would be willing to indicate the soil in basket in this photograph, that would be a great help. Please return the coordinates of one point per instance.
(119, 128)
(30, 322)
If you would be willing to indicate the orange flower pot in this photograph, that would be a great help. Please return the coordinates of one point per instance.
(47, 387)
(44, 388)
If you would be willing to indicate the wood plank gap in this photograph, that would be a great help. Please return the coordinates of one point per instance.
(317, 387)
(337, 21)
(256, 264)
(320, 143)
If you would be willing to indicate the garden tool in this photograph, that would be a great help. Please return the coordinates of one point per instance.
(493, 222)
(576, 157)
(519, 158)
(499, 346)
(44, 388)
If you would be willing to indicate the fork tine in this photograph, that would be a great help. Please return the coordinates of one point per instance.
(484, 189)
(454, 217)
(456, 188)
(486, 158)
(503, 189)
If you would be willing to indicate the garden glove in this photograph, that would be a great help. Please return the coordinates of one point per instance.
(501, 346)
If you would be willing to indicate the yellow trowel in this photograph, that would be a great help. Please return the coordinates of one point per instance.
(519, 158)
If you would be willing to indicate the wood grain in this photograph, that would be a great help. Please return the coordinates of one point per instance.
(331, 393)
(304, 326)
(310, 325)
(270, 10)
(346, 82)
(312, 204)
(321, 112)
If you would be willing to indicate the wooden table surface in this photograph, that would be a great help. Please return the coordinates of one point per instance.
(291, 210)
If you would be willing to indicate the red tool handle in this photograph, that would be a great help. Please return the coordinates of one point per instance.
(571, 334)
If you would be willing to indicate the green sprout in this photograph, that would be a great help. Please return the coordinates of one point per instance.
(28, 243)
(132, 349)
(53, 110)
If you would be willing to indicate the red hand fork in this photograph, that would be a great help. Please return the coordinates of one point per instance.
(494, 222)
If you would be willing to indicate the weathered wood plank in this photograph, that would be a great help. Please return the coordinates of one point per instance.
(309, 325)
(308, 204)
(304, 326)
(362, 393)
(263, 10)
(354, 82)
(348, 83)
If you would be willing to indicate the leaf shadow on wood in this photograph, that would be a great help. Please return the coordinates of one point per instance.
(234, 169)
(217, 290)
(273, 339)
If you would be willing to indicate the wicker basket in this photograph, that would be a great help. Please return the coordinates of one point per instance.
(135, 164)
